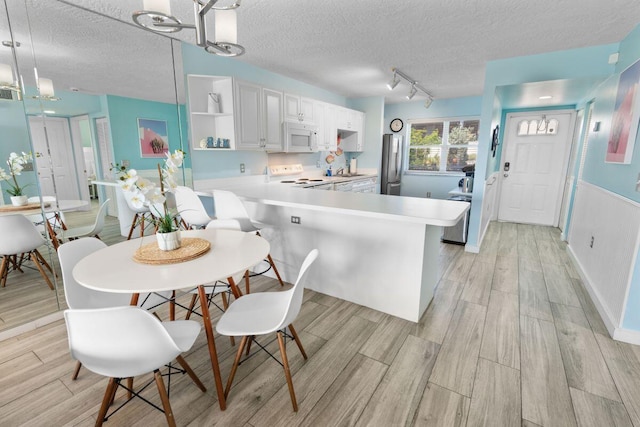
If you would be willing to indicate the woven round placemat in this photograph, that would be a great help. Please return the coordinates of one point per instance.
(27, 207)
(191, 248)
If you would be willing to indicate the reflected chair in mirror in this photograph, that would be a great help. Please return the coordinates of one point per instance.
(87, 230)
(124, 342)
(20, 239)
(190, 208)
(264, 313)
(142, 217)
(228, 207)
(81, 297)
(56, 219)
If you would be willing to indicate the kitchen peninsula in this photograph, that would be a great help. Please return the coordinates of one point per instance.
(376, 250)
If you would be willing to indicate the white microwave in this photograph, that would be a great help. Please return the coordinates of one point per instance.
(300, 138)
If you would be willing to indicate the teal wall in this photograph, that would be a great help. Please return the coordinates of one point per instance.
(123, 119)
(14, 137)
(418, 184)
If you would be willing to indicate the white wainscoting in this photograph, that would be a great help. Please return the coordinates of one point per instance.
(612, 223)
(488, 204)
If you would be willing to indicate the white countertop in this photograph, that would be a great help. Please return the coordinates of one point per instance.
(381, 206)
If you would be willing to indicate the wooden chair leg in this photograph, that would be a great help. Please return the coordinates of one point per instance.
(168, 413)
(133, 226)
(275, 269)
(287, 372)
(142, 217)
(297, 340)
(4, 270)
(43, 261)
(130, 387)
(192, 374)
(106, 400)
(246, 282)
(172, 307)
(36, 261)
(76, 371)
(192, 304)
(232, 374)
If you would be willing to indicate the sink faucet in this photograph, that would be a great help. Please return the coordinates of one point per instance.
(340, 171)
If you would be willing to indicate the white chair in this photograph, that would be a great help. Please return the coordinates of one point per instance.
(190, 208)
(228, 207)
(141, 215)
(19, 237)
(56, 219)
(263, 313)
(88, 230)
(124, 342)
(81, 297)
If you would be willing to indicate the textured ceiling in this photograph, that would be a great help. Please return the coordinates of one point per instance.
(347, 47)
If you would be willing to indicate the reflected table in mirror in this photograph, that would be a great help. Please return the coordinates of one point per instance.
(113, 269)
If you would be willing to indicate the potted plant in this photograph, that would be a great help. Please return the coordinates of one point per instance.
(16, 165)
(143, 192)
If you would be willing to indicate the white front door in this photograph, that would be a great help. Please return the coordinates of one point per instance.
(534, 166)
(57, 171)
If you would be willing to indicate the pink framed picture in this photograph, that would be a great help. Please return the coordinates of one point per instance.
(626, 114)
(154, 138)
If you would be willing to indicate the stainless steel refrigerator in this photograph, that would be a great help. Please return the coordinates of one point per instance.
(391, 164)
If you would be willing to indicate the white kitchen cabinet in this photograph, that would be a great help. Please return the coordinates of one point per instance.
(206, 124)
(346, 119)
(352, 139)
(258, 117)
(298, 108)
(325, 117)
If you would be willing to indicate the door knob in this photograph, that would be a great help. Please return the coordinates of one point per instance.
(506, 175)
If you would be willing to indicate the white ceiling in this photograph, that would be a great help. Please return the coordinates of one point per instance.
(347, 47)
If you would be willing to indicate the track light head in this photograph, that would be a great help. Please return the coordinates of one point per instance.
(427, 102)
(413, 91)
(394, 82)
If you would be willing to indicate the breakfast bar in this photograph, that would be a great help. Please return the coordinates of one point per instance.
(376, 250)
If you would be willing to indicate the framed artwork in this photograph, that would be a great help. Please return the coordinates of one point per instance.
(494, 139)
(624, 123)
(154, 138)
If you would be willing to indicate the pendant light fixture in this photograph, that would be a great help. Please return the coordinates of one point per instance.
(157, 17)
(45, 90)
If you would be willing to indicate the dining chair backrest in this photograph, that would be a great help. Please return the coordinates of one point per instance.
(119, 342)
(100, 218)
(76, 295)
(18, 235)
(229, 207)
(190, 207)
(297, 292)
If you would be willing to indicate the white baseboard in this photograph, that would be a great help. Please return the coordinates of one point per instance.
(619, 334)
(472, 248)
(627, 335)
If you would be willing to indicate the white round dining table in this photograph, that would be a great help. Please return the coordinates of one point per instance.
(113, 269)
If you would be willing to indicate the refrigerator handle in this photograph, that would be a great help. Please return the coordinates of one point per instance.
(398, 160)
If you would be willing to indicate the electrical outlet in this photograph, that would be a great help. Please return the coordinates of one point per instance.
(241, 167)
(591, 244)
(428, 194)
(295, 219)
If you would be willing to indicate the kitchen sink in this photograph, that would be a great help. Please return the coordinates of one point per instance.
(349, 175)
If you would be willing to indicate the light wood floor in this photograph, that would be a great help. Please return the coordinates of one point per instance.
(511, 338)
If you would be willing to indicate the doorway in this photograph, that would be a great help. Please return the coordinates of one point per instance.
(61, 171)
(534, 166)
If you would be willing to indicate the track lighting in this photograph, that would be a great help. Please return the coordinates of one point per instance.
(415, 86)
(393, 83)
(412, 92)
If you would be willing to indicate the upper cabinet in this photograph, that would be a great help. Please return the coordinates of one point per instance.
(298, 108)
(211, 112)
(228, 114)
(258, 117)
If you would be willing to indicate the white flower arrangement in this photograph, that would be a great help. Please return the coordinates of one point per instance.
(16, 165)
(144, 192)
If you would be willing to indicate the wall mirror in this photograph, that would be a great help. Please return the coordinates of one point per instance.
(87, 81)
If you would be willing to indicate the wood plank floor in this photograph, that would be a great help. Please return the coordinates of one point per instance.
(511, 338)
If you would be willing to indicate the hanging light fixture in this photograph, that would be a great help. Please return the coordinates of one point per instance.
(157, 17)
(415, 86)
(45, 90)
(7, 80)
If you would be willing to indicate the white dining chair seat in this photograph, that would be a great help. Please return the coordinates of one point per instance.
(87, 230)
